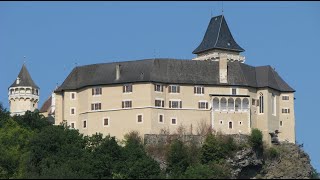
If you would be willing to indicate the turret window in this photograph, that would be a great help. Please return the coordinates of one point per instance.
(72, 111)
(73, 96)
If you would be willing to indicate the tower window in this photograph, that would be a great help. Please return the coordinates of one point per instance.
(73, 96)
(261, 108)
(73, 111)
(230, 125)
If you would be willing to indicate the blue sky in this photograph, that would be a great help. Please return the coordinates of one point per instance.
(54, 36)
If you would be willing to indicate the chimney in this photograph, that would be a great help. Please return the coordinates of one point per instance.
(223, 68)
(117, 71)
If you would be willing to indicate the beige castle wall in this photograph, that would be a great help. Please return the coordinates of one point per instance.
(287, 130)
(143, 97)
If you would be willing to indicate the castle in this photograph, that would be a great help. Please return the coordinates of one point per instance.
(216, 88)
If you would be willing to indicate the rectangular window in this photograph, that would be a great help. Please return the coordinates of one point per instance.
(73, 111)
(96, 91)
(174, 89)
(73, 96)
(161, 118)
(139, 118)
(158, 88)
(286, 111)
(203, 105)
(273, 104)
(127, 88)
(281, 123)
(253, 102)
(159, 103)
(234, 91)
(85, 124)
(175, 104)
(198, 89)
(127, 104)
(95, 106)
(105, 121)
(72, 125)
(285, 97)
(173, 121)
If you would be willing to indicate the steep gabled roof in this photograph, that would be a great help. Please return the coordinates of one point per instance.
(25, 79)
(172, 71)
(46, 105)
(218, 36)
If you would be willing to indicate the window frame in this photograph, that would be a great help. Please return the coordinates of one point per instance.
(195, 90)
(94, 91)
(156, 89)
(125, 88)
(96, 103)
(206, 105)
(161, 102)
(85, 120)
(171, 87)
(137, 118)
(175, 100)
(72, 108)
(123, 105)
(172, 119)
(103, 122)
(162, 118)
(75, 97)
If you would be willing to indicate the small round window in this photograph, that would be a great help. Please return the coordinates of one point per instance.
(228, 44)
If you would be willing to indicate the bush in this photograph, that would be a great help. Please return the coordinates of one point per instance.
(205, 171)
(217, 148)
(272, 153)
(177, 158)
(255, 139)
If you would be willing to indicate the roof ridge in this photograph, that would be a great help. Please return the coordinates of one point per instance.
(218, 32)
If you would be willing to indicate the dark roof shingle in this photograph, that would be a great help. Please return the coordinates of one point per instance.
(218, 36)
(171, 71)
(25, 79)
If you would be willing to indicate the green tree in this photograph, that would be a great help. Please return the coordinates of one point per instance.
(137, 163)
(177, 159)
(217, 148)
(56, 148)
(255, 140)
(13, 145)
(208, 171)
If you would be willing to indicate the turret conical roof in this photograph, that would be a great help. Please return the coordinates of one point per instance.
(25, 79)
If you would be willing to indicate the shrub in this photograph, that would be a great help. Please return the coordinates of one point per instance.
(255, 139)
(272, 153)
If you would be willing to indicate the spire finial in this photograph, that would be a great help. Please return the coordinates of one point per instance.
(24, 60)
(222, 8)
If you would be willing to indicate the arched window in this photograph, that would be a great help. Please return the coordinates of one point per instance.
(223, 104)
(261, 110)
(230, 104)
(245, 104)
(215, 104)
(238, 104)
(230, 125)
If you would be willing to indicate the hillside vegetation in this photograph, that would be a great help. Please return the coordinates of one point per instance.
(30, 147)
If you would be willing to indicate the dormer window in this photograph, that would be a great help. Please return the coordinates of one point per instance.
(18, 80)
